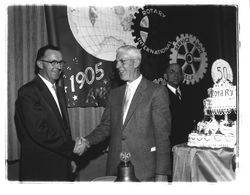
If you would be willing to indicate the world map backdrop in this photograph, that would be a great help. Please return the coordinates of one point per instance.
(193, 36)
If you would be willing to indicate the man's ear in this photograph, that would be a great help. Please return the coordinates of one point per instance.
(39, 64)
(137, 63)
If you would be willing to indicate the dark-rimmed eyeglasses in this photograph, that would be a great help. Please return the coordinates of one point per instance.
(55, 62)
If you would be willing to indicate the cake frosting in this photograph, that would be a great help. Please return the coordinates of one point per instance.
(217, 129)
(221, 98)
(210, 134)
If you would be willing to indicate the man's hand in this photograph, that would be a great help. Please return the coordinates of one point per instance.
(81, 146)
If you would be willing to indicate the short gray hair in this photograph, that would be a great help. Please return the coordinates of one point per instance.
(132, 50)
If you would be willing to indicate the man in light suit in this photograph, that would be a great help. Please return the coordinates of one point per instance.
(42, 123)
(142, 128)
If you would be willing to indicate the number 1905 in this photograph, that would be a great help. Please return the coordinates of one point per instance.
(88, 76)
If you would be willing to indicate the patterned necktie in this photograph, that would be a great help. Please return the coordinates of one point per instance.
(126, 101)
(178, 93)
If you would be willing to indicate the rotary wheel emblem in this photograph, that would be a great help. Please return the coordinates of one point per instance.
(191, 55)
(148, 32)
(140, 27)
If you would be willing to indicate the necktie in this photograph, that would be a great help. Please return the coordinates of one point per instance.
(178, 93)
(56, 98)
(126, 101)
(54, 87)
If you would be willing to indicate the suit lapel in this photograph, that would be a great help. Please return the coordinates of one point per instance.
(173, 96)
(62, 104)
(49, 98)
(136, 99)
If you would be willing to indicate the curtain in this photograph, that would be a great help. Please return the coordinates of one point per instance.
(27, 32)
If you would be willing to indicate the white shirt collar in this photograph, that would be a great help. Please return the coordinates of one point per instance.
(135, 83)
(52, 91)
(171, 88)
(48, 84)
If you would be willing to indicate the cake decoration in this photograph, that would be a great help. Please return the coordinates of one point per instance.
(218, 127)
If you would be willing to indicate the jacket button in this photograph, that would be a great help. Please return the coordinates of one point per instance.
(124, 137)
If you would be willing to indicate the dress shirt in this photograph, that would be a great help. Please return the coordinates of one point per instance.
(133, 86)
(174, 90)
(52, 90)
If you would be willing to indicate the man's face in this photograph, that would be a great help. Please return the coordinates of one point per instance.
(174, 75)
(126, 66)
(47, 70)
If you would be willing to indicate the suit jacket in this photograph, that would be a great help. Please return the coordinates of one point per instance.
(145, 132)
(181, 120)
(44, 135)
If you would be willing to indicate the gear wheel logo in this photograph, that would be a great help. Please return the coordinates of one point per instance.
(148, 32)
(140, 26)
(189, 52)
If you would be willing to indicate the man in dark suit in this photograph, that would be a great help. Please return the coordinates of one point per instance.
(42, 123)
(138, 123)
(181, 122)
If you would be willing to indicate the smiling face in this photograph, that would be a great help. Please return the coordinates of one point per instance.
(127, 65)
(49, 72)
(174, 75)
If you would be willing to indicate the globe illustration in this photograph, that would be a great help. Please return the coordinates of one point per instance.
(101, 30)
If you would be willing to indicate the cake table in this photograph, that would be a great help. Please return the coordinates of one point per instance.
(202, 164)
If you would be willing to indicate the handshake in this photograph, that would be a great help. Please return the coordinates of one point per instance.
(81, 145)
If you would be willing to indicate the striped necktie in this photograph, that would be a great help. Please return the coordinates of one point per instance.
(178, 93)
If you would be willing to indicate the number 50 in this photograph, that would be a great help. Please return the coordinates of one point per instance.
(223, 72)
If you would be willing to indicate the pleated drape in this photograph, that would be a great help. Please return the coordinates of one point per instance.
(84, 120)
(26, 34)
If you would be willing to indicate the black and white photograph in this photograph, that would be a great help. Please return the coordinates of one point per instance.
(147, 95)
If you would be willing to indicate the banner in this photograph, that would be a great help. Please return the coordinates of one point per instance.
(86, 78)
(193, 36)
